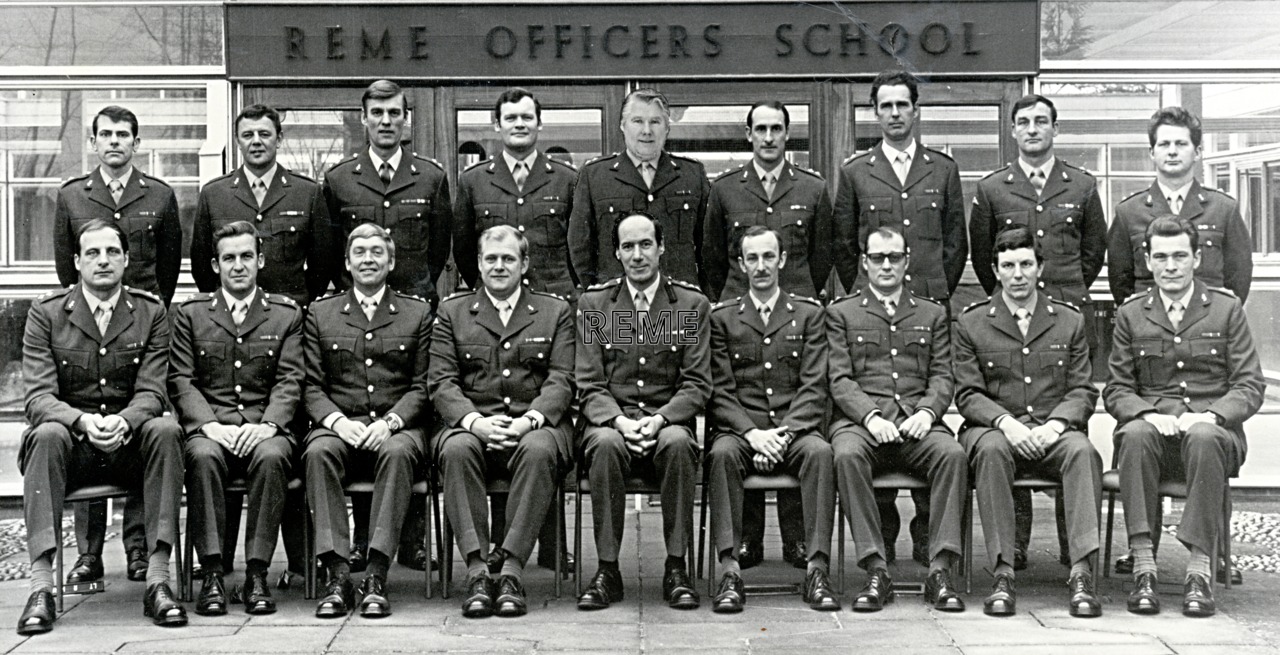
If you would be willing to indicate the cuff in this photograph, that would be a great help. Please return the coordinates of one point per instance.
(329, 421)
(996, 423)
(468, 420)
(536, 418)
(870, 415)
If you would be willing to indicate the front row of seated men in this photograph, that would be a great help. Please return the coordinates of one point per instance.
(650, 353)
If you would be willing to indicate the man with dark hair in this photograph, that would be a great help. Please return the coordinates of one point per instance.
(1184, 378)
(640, 399)
(366, 392)
(235, 377)
(766, 412)
(646, 178)
(146, 210)
(93, 362)
(501, 377)
(902, 184)
(890, 373)
(1023, 387)
(793, 202)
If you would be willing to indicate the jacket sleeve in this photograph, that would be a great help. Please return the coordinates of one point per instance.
(582, 232)
(1247, 386)
(556, 394)
(441, 237)
(282, 403)
(188, 401)
(64, 246)
(1121, 397)
(955, 240)
(444, 378)
(324, 254)
(149, 386)
(699, 223)
(169, 250)
(598, 404)
(715, 246)
(1093, 243)
(464, 234)
(694, 389)
(334, 212)
(809, 405)
(972, 400)
(40, 373)
(822, 243)
(1237, 267)
(845, 218)
(846, 394)
(942, 383)
(414, 407)
(1081, 398)
(202, 245)
(1120, 276)
(982, 237)
(724, 412)
(315, 389)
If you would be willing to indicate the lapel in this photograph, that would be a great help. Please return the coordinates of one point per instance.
(276, 192)
(921, 167)
(627, 173)
(748, 315)
(521, 314)
(1154, 310)
(485, 314)
(220, 314)
(1197, 307)
(1017, 183)
(1056, 182)
(752, 184)
(1002, 320)
(539, 175)
(257, 314)
(1193, 204)
(404, 175)
(500, 176)
(354, 313)
(367, 176)
(906, 307)
(386, 311)
(97, 190)
(121, 318)
(668, 171)
(81, 317)
(240, 189)
(882, 167)
(874, 307)
(1156, 202)
(786, 182)
(136, 189)
(782, 312)
(1041, 320)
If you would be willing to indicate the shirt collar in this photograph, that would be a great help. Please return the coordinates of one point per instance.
(760, 172)
(892, 152)
(636, 161)
(266, 177)
(1047, 167)
(377, 297)
(124, 179)
(1013, 309)
(512, 299)
(771, 302)
(649, 292)
(394, 160)
(896, 296)
(231, 301)
(1174, 193)
(1185, 299)
(512, 161)
(92, 301)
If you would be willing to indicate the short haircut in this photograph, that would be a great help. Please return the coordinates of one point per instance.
(1031, 100)
(647, 96)
(770, 104)
(885, 232)
(758, 230)
(1170, 226)
(232, 230)
(369, 231)
(895, 78)
(502, 233)
(657, 226)
(382, 90)
(1016, 238)
(102, 224)
(513, 95)
(1177, 117)
(118, 114)
(253, 113)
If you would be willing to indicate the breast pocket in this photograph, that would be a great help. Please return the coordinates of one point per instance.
(683, 213)
(124, 366)
(915, 345)
(142, 237)
(1011, 218)
(745, 357)
(284, 238)
(1211, 236)
(473, 362)
(610, 211)
(1054, 363)
(536, 358)
(352, 216)
(338, 353)
(263, 356)
(997, 369)
(1210, 353)
(875, 212)
(73, 366)
(489, 214)
(927, 218)
(793, 225)
(551, 225)
(1066, 230)
(408, 224)
(863, 344)
(1148, 354)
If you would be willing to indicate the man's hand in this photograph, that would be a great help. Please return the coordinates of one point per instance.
(101, 433)
(631, 435)
(350, 431)
(762, 462)
(1045, 435)
(917, 425)
(1021, 438)
(1166, 424)
(375, 435)
(252, 434)
(883, 430)
(1191, 418)
(768, 443)
(649, 427)
(222, 434)
(486, 426)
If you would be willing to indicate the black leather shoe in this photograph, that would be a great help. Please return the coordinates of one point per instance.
(1197, 596)
(479, 602)
(417, 559)
(939, 592)
(1143, 598)
(795, 553)
(1003, 600)
(1019, 559)
(920, 552)
(256, 594)
(37, 617)
(163, 607)
(750, 553)
(817, 592)
(567, 562)
(359, 558)
(88, 568)
(497, 557)
(136, 564)
(289, 578)
(213, 595)
(877, 593)
(373, 597)
(510, 598)
(678, 591)
(1124, 565)
(339, 598)
(731, 595)
(1084, 600)
(604, 590)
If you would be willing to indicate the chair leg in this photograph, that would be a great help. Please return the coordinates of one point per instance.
(309, 543)
(427, 507)
(559, 533)
(1225, 533)
(178, 559)
(441, 546)
(1111, 523)
(702, 538)
(967, 519)
(840, 546)
(186, 572)
(577, 537)
(57, 558)
(446, 573)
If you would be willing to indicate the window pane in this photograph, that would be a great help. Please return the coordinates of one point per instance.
(967, 134)
(573, 136)
(1071, 30)
(33, 209)
(315, 140)
(716, 135)
(167, 35)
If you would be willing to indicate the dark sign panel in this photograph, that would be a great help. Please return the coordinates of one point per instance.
(281, 41)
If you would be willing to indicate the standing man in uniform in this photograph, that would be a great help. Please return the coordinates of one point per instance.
(366, 392)
(87, 429)
(1060, 203)
(501, 377)
(890, 373)
(1184, 378)
(644, 368)
(1023, 386)
(147, 212)
(794, 203)
(235, 377)
(915, 190)
(769, 396)
(645, 178)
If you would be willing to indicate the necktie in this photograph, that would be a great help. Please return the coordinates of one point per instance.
(259, 190)
(1038, 181)
(890, 307)
(1024, 320)
(521, 174)
(902, 164)
(1175, 314)
(647, 172)
(369, 306)
(769, 181)
(764, 314)
(385, 172)
(1175, 203)
(102, 316)
(117, 190)
(642, 303)
(238, 312)
(504, 312)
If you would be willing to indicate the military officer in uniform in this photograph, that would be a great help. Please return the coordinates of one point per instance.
(1023, 387)
(643, 365)
(501, 377)
(890, 373)
(235, 377)
(1184, 378)
(769, 396)
(147, 211)
(406, 195)
(93, 363)
(792, 201)
(645, 178)
(366, 391)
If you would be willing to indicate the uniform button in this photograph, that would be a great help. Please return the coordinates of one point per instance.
(239, 339)
(904, 195)
(386, 203)
(506, 346)
(642, 360)
(1041, 284)
(768, 392)
(1039, 233)
(521, 228)
(767, 341)
(799, 222)
(507, 400)
(237, 388)
(641, 404)
(103, 382)
(795, 353)
(908, 277)
(873, 208)
(859, 339)
(370, 388)
(1030, 409)
(519, 201)
(906, 222)
(990, 364)
(1026, 351)
(1208, 242)
(368, 362)
(240, 407)
(373, 415)
(772, 413)
(259, 217)
(237, 363)
(102, 408)
(1180, 364)
(768, 365)
(1177, 339)
(368, 336)
(101, 351)
(117, 214)
(1027, 380)
(897, 396)
(893, 352)
(650, 197)
(1183, 384)
(769, 210)
(506, 372)
(639, 383)
(893, 328)
(895, 375)
(1213, 351)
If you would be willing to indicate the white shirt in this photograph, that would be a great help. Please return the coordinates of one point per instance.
(394, 160)
(637, 161)
(1045, 168)
(1171, 194)
(512, 161)
(511, 299)
(896, 296)
(124, 178)
(266, 178)
(649, 292)
(767, 304)
(231, 300)
(1013, 308)
(92, 301)
(1185, 299)
(776, 172)
(892, 152)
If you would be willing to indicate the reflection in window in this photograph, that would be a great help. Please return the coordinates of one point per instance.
(1129, 30)
(717, 136)
(969, 135)
(315, 140)
(574, 134)
(165, 35)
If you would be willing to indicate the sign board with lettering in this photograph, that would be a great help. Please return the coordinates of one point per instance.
(577, 41)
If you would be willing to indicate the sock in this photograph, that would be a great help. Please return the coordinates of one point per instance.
(728, 562)
(674, 563)
(476, 565)
(158, 566)
(378, 564)
(338, 567)
(1144, 554)
(1082, 566)
(211, 563)
(42, 574)
(256, 566)
(608, 565)
(940, 563)
(1004, 568)
(513, 567)
(1198, 562)
(875, 563)
(819, 562)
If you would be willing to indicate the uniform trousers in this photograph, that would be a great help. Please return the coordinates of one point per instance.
(1071, 460)
(936, 457)
(729, 460)
(674, 461)
(267, 469)
(330, 463)
(1202, 457)
(52, 461)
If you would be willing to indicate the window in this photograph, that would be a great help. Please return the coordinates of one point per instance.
(716, 135)
(570, 135)
(94, 34)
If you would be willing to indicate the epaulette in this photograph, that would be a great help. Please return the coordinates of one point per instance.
(330, 296)
(608, 284)
(430, 160)
(688, 285)
(728, 173)
(144, 294)
(75, 178)
(848, 296)
(459, 293)
(478, 164)
(809, 171)
(807, 299)
(1065, 304)
(225, 176)
(1219, 191)
(1224, 291)
(155, 179)
(279, 299)
(1136, 296)
(547, 294)
(300, 176)
(1077, 168)
(998, 171)
(730, 302)
(566, 164)
(931, 301)
(1135, 194)
(198, 297)
(691, 160)
(980, 303)
(601, 158)
(409, 296)
(345, 161)
(856, 155)
(936, 152)
(53, 295)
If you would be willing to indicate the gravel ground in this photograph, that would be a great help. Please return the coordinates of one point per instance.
(13, 540)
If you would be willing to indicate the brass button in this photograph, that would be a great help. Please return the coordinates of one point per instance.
(642, 361)
(768, 365)
(1026, 351)
(519, 201)
(237, 388)
(370, 388)
(893, 352)
(386, 203)
(769, 210)
(507, 400)
(506, 346)
(368, 361)
(240, 407)
(1027, 379)
(237, 364)
(767, 341)
(639, 383)
(239, 339)
(768, 392)
(1177, 339)
(904, 195)
(506, 372)
(368, 336)
(101, 351)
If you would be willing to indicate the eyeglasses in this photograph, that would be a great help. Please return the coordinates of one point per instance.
(878, 258)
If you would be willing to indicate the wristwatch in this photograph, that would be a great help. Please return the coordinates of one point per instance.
(393, 422)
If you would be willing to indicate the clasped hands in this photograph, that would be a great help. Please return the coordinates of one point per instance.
(501, 432)
(770, 446)
(106, 433)
(1173, 426)
(241, 439)
(640, 435)
(1030, 443)
(915, 427)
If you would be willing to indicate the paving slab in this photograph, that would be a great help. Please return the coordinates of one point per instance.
(552, 636)
(1219, 649)
(394, 638)
(88, 638)
(1170, 627)
(296, 639)
(1153, 648)
(1028, 630)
